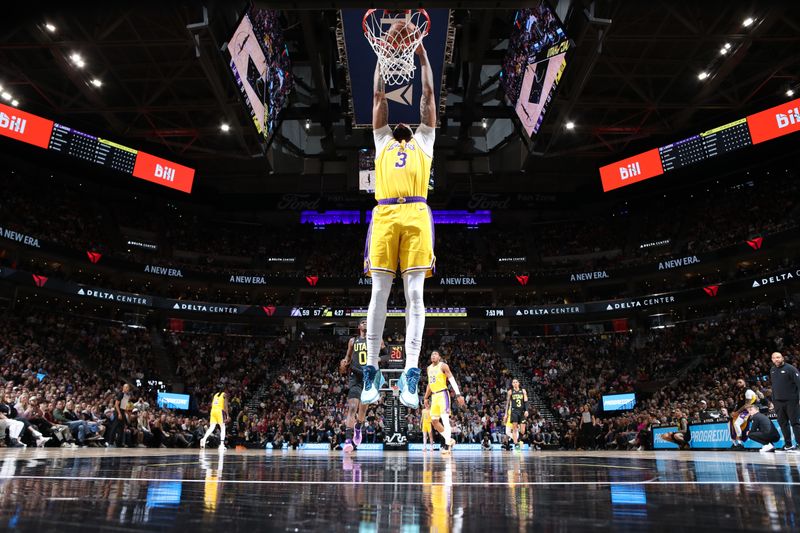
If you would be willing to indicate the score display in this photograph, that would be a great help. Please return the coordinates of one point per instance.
(47, 134)
(769, 124)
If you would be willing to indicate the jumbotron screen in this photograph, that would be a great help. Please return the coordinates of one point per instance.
(534, 63)
(38, 131)
(259, 61)
(763, 126)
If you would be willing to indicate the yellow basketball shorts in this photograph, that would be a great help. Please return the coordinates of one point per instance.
(216, 418)
(440, 404)
(426, 426)
(400, 234)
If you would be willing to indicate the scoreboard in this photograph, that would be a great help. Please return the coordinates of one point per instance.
(754, 129)
(39, 131)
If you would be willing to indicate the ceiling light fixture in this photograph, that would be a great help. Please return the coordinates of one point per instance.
(789, 92)
(77, 60)
(748, 22)
(6, 96)
(723, 51)
(703, 75)
(51, 28)
(570, 125)
(225, 127)
(96, 82)
(308, 123)
(15, 102)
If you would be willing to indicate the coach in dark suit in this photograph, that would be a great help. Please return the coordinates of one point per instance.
(786, 398)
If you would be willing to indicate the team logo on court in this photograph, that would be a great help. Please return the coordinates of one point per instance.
(39, 281)
(711, 290)
(755, 244)
(522, 280)
(312, 280)
(94, 257)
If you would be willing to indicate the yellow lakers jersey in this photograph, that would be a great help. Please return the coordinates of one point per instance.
(402, 169)
(436, 378)
(218, 402)
(426, 415)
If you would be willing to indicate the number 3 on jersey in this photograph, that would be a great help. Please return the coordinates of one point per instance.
(402, 159)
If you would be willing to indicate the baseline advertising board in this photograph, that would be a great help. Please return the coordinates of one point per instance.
(44, 133)
(769, 124)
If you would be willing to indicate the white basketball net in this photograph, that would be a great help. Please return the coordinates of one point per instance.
(395, 50)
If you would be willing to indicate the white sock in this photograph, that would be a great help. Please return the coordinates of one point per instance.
(448, 432)
(209, 431)
(376, 315)
(413, 283)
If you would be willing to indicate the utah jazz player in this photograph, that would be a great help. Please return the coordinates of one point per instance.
(219, 417)
(517, 406)
(401, 231)
(438, 375)
(355, 359)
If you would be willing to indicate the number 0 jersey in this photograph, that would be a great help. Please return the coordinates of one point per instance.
(359, 354)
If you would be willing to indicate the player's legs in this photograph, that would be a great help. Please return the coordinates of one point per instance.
(413, 283)
(210, 431)
(515, 433)
(376, 320)
(222, 436)
(353, 405)
(362, 416)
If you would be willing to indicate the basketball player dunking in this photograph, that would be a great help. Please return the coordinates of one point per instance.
(355, 359)
(401, 231)
(439, 375)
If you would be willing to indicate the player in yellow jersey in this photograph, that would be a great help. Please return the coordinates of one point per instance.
(439, 375)
(427, 433)
(219, 417)
(401, 231)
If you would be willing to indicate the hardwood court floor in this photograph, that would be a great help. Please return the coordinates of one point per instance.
(188, 490)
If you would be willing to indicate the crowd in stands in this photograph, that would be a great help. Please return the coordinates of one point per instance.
(573, 372)
(196, 238)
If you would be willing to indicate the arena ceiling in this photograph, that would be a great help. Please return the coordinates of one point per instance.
(632, 79)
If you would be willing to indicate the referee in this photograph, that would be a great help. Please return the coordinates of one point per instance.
(786, 399)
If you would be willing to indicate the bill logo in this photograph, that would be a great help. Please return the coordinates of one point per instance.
(13, 123)
(630, 171)
(775, 122)
(165, 173)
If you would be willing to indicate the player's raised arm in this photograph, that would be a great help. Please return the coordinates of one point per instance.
(427, 103)
(380, 106)
(348, 358)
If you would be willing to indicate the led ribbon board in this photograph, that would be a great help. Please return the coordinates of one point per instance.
(768, 124)
(44, 133)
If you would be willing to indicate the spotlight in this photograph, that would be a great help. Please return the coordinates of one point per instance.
(77, 60)
(703, 75)
(789, 92)
(6, 96)
(96, 82)
(308, 123)
(225, 127)
(727, 46)
(723, 51)
(570, 125)
(15, 102)
(50, 27)
(484, 123)
(748, 22)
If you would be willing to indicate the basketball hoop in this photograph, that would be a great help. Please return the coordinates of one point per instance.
(395, 48)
